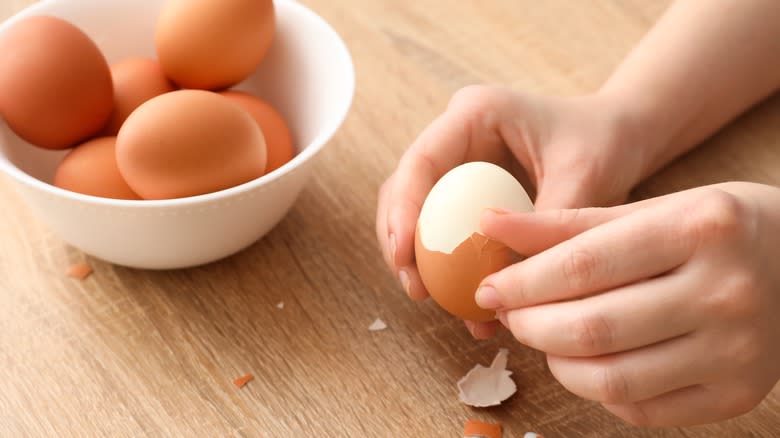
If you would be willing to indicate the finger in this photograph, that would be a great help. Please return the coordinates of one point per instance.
(467, 131)
(633, 247)
(636, 375)
(622, 319)
(381, 223)
(531, 233)
(482, 330)
(412, 283)
(697, 404)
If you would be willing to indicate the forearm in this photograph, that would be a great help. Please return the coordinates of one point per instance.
(703, 64)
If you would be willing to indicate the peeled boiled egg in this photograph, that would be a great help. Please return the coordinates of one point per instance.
(188, 143)
(213, 44)
(55, 84)
(453, 257)
(136, 80)
(278, 139)
(91, 169)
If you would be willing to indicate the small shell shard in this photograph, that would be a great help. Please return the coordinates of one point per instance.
(377, 325)
(488, 386)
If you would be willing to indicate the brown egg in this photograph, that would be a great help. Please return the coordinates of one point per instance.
(452, 279)
(452, 256)
(91, 169)
(213, 44)
(278, 140)
(55, 85)
(188, 143)
(136, 80)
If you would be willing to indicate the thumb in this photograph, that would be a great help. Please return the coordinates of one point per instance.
(531, 233)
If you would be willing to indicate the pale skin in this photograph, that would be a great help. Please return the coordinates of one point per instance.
(662, 310)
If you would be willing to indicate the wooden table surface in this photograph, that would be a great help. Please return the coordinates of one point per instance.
(135, 353)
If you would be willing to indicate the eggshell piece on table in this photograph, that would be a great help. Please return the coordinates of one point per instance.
(91, 169)
(481, 429)
(278, 139)
(213, 44)
(55, 84)
(188, 143)
(79, 271)
(452, 256)
(240, 382)
(136, 80)
(483, 387)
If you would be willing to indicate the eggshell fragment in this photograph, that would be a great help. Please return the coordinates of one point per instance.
(55, 84)
(452, 256)
(483, 386)
(136, 80)
(91, 169)
(79, 271)
(213, 44)
(480, 429)
(377, 325)
(243, 380)
(188, 143)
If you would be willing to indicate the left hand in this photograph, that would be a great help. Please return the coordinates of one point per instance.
(665, 310)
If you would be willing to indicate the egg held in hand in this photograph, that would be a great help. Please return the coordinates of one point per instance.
(136, 80)
(55, 84)
(278, 139)
(189, 143)
(91, 169)
(452, 256)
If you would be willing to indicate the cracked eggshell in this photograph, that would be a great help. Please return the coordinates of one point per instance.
(452, 256)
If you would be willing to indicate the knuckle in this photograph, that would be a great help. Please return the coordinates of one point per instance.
(579, 268)
(718, 216)
(744, 350)
(517, 294)
(737, 297)
(473, 95)
(567, 217)
(611, 385)
(478, 105)
(636, 416)
(592, 334)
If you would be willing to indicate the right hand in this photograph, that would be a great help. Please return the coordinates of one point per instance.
(577, 152)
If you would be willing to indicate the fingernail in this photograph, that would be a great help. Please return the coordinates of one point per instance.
(481, 332)
(501, 317)
(404, 277)
(393, 248)
(487, 297)
(470, 327)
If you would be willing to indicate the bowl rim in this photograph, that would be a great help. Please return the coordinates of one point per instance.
(305, 155)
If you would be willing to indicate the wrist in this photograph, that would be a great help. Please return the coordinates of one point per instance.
(646, 128)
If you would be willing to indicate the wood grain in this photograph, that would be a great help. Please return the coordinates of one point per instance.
(136, 353)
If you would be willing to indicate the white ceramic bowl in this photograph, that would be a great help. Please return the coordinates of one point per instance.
(308, 76)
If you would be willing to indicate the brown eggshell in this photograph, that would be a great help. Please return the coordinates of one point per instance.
(213, 44)
(136, 80)
(188, 143)
(91, 169)
(55, 84)
(452, 279)
(278, 139)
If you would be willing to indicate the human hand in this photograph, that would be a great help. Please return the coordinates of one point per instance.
(665, 310)
(577, 152)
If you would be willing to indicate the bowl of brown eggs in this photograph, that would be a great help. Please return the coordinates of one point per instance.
(164, 134)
